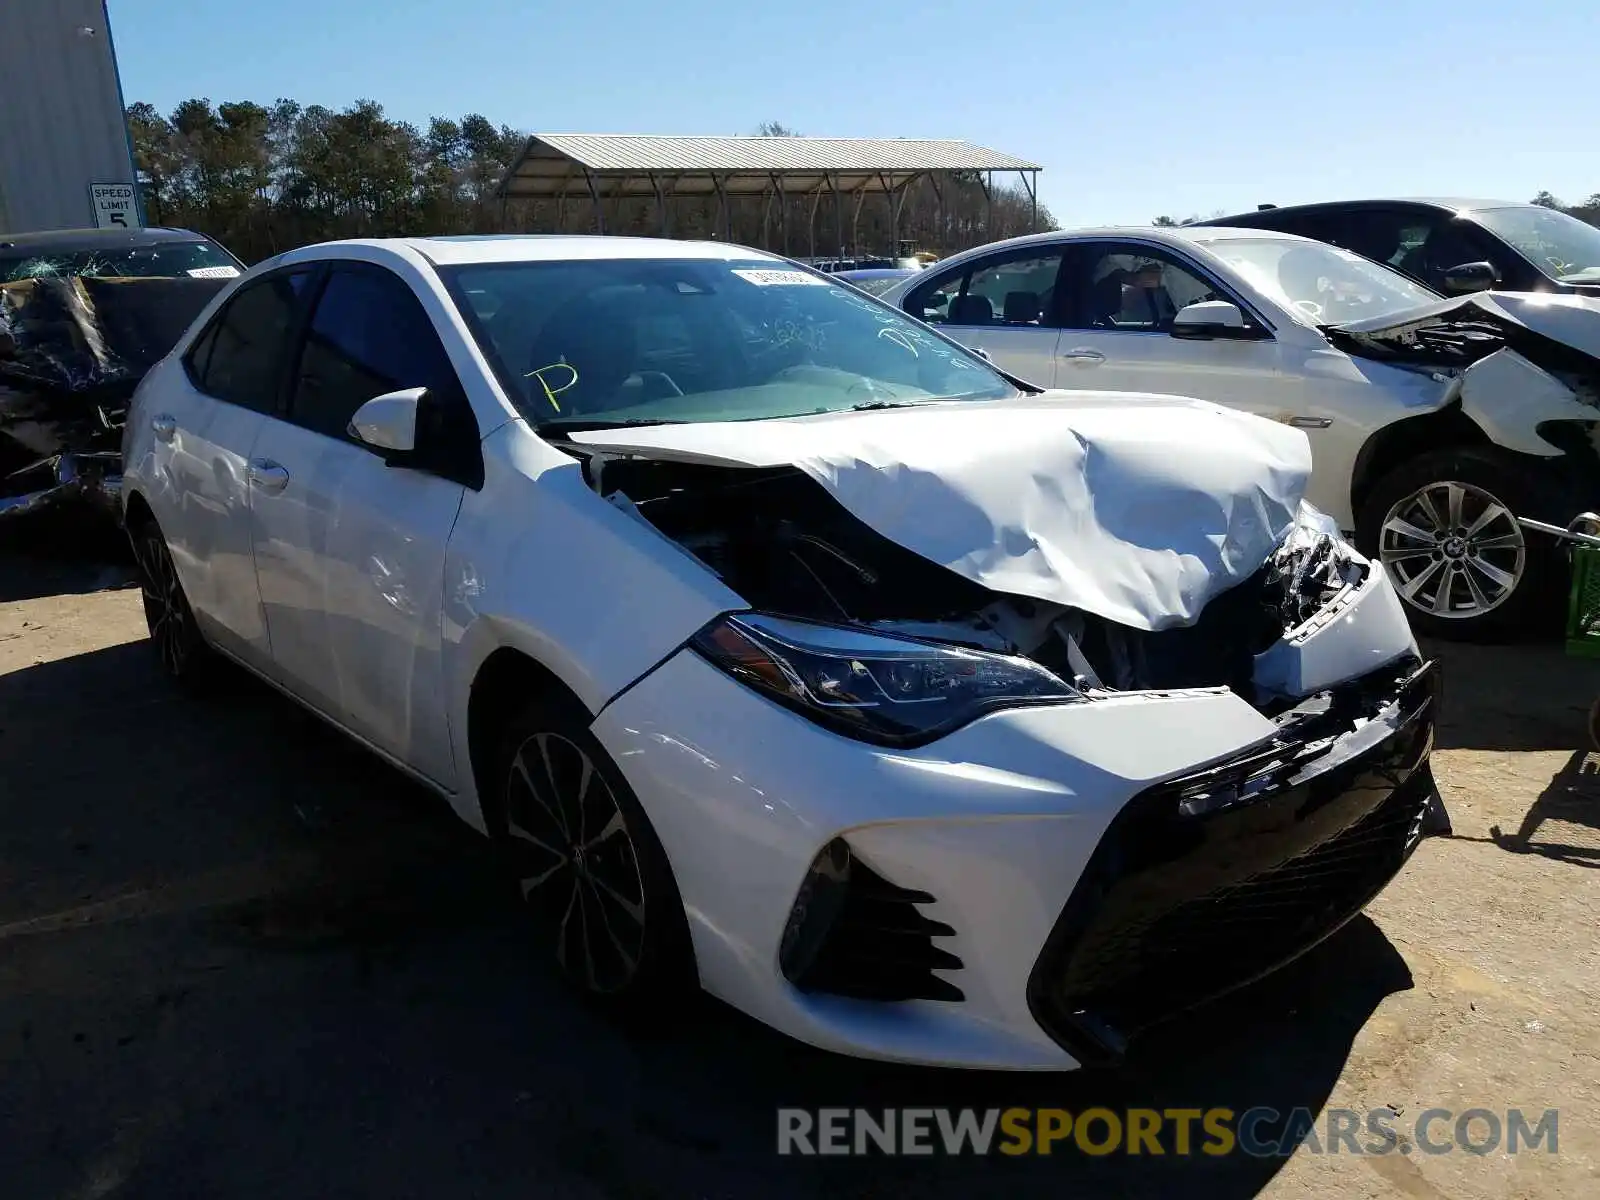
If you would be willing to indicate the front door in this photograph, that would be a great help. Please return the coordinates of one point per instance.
(349, 550)
(1117, 332)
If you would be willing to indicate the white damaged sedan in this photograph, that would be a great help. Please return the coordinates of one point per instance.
(784, 646)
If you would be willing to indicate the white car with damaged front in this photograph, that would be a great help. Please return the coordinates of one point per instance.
(784, 646)
(1434, 424)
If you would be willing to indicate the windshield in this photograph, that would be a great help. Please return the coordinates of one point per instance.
(626, 341)
(203, 259)
(1560, 245)
(1324, 283)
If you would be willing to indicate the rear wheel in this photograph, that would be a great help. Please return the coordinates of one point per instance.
(174, 633)
(597, 890)
(1444, 525)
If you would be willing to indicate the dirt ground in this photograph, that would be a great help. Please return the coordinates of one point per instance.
(239, 958)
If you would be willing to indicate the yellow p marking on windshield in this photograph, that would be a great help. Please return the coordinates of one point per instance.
(550, 393)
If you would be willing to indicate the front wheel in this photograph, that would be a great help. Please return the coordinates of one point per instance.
(597, 889)
(1444, 526)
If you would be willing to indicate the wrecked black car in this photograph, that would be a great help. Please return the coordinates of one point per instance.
(72, 350)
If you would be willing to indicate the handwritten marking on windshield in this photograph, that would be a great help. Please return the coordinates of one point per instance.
(899, 338)
(550, 393)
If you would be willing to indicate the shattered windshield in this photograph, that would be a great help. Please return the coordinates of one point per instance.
(165, 259)
(626, 341)
(1324, 283)
(1560, 245)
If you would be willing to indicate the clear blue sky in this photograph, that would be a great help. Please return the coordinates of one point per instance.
(1133, 107)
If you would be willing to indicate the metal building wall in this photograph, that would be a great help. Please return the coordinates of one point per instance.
(61, 119)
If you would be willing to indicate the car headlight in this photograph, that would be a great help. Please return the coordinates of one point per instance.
(877, 687)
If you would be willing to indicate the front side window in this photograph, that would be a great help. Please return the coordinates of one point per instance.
(1563, 247)
(1323, 283)
(1135, 289)
(368, 335)
(240, 357)
(646, 340)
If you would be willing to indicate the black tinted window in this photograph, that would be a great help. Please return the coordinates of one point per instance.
(369, 335)
(240, 358)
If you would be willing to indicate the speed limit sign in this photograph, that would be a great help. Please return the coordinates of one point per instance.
(114, 206)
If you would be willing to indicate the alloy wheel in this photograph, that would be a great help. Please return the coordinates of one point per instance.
(166, 610)
(1453, 550)
(575, 860)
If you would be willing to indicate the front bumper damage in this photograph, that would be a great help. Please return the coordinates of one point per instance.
(1210, 880)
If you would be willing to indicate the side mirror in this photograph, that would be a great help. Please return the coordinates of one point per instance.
(1464, 278)
(1210, 319)
(388, 423)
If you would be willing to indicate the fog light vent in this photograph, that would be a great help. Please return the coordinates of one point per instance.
(853, 933)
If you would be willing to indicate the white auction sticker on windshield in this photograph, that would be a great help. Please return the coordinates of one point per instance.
(212, 272)
(781, 278)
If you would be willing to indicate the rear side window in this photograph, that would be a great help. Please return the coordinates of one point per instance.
(1007, 290)
(368, 335)
(239, 358)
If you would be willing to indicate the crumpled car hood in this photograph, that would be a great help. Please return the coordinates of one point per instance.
(1571, 320)
(1137, 508)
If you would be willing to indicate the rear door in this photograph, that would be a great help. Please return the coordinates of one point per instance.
(1119, 301)
(1005, 304)
(203, 426)
(349, 550)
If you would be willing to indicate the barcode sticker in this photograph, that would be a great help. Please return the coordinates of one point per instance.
(781, 278)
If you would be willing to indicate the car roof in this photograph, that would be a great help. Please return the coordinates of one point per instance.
(536, 247)
(1450, 204)
(877, 273)
(95, 239)
(1169, 234)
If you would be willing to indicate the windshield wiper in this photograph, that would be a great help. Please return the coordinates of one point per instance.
(586, 424)
(873, 405)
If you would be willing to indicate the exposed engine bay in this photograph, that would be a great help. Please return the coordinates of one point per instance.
(1457, 335)
(789, 548)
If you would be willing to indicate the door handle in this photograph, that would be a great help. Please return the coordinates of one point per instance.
(1084, 356)
(164, 425)
(267, 475)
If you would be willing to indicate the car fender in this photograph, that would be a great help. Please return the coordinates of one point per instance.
(539, 563)
(1509, 397)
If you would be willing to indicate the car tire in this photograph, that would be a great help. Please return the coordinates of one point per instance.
(1504, 583)
(175, 635)
(596, 889)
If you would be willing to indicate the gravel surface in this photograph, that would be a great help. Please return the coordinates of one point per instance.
(240, 958)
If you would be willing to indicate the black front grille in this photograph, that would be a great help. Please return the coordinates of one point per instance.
(1204, 883)
(856, 934)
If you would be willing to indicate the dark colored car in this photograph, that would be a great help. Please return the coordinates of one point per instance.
(123, 253)
(876, 280)
(83, 315)
(1453, 246)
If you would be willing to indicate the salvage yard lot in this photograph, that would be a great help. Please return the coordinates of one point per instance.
(238, 957)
